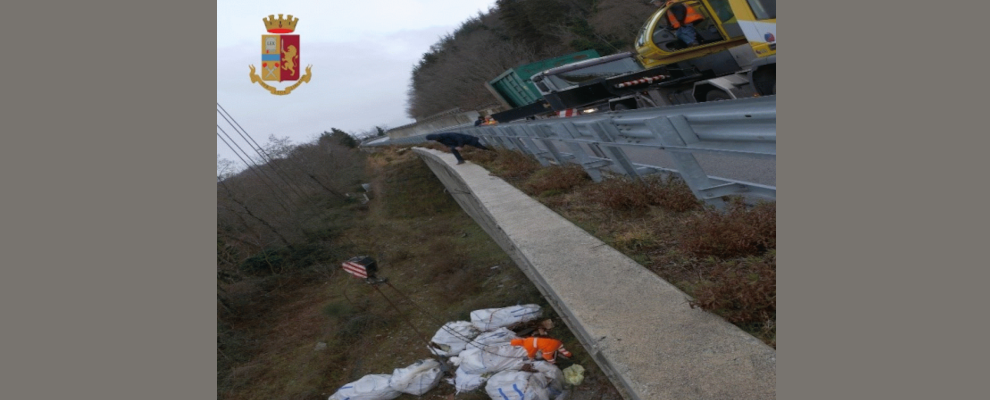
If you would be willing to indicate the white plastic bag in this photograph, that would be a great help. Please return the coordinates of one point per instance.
(493, 338)
(370, 387)
(517, 385)
(465, 382)
(418, 378)
(453, 338)
(493, 318)
(555, 378)
(493, 359)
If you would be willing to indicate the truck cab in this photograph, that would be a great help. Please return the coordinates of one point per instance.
(758, 21)
(718, 30)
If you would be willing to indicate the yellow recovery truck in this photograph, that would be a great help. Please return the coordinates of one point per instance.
(736, 57)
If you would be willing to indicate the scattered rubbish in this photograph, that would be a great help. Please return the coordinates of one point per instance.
(555, 377)
(492, 359)
(500, 335)
(494, 318)
(574, 375)
(453, 338)
(418, 378)
(320, 346)
(482, 353)
(517, 385)
(369, 387)
(465, 382)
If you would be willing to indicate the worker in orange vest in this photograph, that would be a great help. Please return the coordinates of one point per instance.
(682, 18)
(547, 347)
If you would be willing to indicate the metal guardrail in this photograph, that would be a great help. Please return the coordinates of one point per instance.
(599, 142)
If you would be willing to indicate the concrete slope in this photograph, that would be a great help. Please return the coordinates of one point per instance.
(638, 328)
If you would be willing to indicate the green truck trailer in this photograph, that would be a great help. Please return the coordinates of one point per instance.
(515, 91)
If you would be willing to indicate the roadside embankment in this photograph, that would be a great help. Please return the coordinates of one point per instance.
(639, 328)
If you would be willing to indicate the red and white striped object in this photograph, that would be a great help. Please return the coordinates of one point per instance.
(648, 79)
(355, 269)
(361, 267)
(570, 112)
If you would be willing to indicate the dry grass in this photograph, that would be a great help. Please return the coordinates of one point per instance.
(658, 222)
(440, 265)
(555, 180)
(744, 292)
(627, 194)
(740, 231)
(511, 166)
(432, 252)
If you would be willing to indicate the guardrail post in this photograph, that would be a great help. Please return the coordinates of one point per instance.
(672, 131)
(525, 136)
(518, 136)
(567, 130)
(504, 139)
(483, 134)
(512, 134)
(544, 133)
(606, 133)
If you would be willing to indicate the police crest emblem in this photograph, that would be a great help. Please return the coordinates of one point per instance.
(280, 56)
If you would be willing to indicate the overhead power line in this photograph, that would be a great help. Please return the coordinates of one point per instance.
(276, 191)
(233, 122)
(257, 149)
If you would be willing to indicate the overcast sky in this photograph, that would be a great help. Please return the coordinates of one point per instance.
(361, 52)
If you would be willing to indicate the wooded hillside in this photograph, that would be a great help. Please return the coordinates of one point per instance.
(516, 32)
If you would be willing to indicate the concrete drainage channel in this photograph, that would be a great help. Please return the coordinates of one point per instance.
(639, 328)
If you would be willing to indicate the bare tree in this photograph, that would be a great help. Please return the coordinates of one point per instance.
(621, 20)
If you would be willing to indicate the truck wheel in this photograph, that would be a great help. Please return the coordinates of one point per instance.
(716, 95)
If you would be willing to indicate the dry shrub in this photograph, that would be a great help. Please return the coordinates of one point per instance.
(637, 238)
(739, 231)
(513, 165)
(743, 292)
(556, 179)
(627, 194)
(479, 156)
(620, 193)
(670, 193)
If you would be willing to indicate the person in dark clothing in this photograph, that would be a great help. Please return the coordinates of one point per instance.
(456, 141)
(480, 120)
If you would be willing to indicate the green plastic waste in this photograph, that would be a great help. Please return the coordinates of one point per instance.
(574, 375)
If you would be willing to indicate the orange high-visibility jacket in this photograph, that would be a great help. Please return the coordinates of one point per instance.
(548, 347)
(691, 15)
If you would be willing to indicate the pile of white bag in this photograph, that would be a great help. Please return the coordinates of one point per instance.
(481, 351)
(416, 379)
(490, 360)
